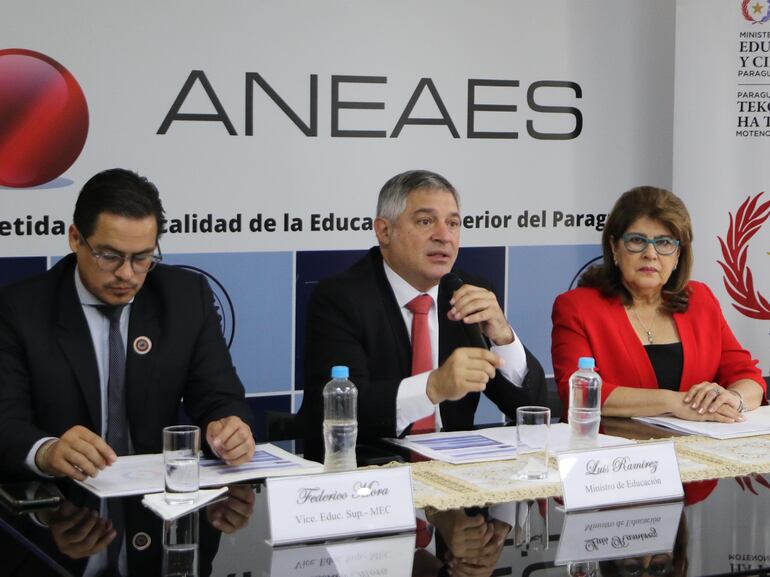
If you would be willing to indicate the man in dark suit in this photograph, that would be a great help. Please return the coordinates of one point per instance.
(74, 537)
(60, 403)
(361, 318)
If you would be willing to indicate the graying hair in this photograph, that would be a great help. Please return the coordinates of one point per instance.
(392, 199)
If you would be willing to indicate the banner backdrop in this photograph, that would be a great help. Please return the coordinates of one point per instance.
(269, 128)
(721, 140)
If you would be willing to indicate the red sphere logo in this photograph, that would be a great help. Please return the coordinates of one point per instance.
(43, 118)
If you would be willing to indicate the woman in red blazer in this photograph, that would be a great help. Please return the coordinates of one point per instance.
(660, 341)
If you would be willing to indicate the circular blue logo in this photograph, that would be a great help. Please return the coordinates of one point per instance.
(222, 303)
(573, 282)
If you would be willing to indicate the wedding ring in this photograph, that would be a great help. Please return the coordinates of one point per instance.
(717, 391)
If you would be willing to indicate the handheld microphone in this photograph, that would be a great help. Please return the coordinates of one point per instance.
(450, 282)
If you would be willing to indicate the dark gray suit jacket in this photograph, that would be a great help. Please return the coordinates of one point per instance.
(49, 381)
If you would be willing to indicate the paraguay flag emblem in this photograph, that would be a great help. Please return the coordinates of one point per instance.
(756, 11)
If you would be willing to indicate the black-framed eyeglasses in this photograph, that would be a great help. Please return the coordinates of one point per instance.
(664, 245)
(111, 261)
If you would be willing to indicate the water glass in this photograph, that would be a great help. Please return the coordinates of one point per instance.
(530, 530)
(180, 546)
(181, 445)
(532, 427)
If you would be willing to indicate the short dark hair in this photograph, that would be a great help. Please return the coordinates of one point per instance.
(657, 204)
(117, 191)
(391, 201)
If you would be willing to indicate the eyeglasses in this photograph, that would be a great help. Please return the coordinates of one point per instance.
(659, 565)
(110, 261)
(664, 245)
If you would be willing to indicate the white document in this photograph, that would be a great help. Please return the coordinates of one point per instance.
(757, 423)
(492, 444)
(141, 474)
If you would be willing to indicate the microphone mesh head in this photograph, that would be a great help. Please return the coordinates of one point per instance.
(450, 282)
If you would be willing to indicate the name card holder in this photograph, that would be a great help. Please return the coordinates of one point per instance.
(616, 476)
(389, 555)
(338, 505)
(619, 533)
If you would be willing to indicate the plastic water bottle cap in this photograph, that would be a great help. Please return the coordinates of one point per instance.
(342, 372)
(586, 363)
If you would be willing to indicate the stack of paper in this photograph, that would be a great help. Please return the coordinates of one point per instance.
(493, 444)
(140, 474)
(757, 423)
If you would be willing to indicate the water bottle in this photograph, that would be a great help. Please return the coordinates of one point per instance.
(340, 421)
(585, 391)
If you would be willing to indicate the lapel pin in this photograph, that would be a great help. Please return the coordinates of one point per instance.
(142, 345)
(141, 541)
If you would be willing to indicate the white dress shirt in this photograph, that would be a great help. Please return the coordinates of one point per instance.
(412, 402)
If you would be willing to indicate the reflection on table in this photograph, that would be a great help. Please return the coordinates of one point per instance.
(722, 528)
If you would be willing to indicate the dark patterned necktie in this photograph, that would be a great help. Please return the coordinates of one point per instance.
(117, 419)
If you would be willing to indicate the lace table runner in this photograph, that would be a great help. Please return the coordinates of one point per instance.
(442, 486)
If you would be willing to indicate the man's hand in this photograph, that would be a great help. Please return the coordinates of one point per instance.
(231, 439)
(472, 304)
(482, 564)
(78, 454)
(234, 512)
(465, 535)
(467, 370)
(78, 531)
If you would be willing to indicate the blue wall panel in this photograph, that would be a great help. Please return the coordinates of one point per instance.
(262, 297)
(253, 294)
(13, 269)
(536, 276)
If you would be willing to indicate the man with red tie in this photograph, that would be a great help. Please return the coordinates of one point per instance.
(389, 320)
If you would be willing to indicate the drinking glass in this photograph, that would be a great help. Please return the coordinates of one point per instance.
(181, 445)
(180, 546)
(532, 427)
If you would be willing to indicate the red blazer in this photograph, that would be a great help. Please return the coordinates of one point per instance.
(585, 324)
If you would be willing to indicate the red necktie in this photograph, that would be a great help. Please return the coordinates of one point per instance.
(423, 533)
(422, 359)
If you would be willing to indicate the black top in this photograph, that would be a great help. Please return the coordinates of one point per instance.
(667, 362)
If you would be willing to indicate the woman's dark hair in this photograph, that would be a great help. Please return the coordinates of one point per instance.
(116, 191)
(656, 204)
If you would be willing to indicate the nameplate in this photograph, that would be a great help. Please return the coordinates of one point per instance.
(391, 555)
(616, 476)
(335, 505)
(619, 533)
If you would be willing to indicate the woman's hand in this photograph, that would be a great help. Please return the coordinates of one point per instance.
(709, 402)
